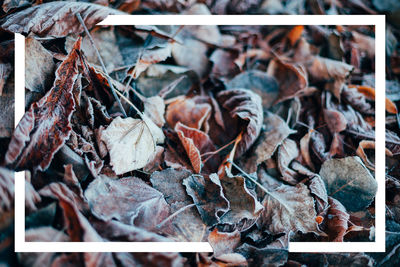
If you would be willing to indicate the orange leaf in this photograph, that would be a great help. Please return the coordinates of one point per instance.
(390, 106)
(295, 34)
(367, 91)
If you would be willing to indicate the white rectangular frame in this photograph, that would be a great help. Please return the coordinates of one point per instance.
(377, 246)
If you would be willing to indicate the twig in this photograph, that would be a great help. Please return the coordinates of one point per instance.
(249, 177)
(212, 153)
(146, 43)
(102, 64)
(130, 103)
(260, 186)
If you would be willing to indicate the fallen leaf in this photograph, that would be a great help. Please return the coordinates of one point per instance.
(292, 79)
(170, 183)
(56, 19)
(224, 63)
(156, 161)
(244, 208)
(5, 70)
(109, 52)
(154, 108)
(337, 220)
(259, 82)
(288, 209)
(207, 194)
(364, 43)
(192, 112)
(305, 149)
(349, 181)
(275, 132)
(39, 66)
(333, 72)
(246, 106)
(264, 256)
(361, 152)
(196, 143)
(223, 243)
(318, 190)
(185, 223)
(149, 57)
(11, 4)
(357, 100)
(295, 34)
(131, 143)
(46, 124)
(287, 152)
(129, 200)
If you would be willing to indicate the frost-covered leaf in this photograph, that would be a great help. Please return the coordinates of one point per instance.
(46, 125)
(197, 143)
(289, 209)
(349, 181)
(56, 19)
(291, 78)
(207, 194)
(275, 132)
(244, 105)
(129, 200)
(39, 66)
(244, 208)
(337, 220)
(131, 143)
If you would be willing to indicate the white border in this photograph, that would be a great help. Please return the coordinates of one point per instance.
(377, 246)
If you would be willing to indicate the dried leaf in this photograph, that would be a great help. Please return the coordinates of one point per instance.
(287, 152)
(305, 149)
(56, 19)
(5, 71)
(331, 71)
(223, 243)
(289, 209)
(246, 106)
(207, 194)
(364, 43)
(197, 143)
(192, 112)
(337, 220)
(349, 181)
(39, 66)
(129, 200)
(11, 4)
(150, 57)
(185, 223)
(131, 143)
(224, 63)
(244, 206)
(291, 78)
(264, 256)
(169, 182)
(154, 108)
(47, 123)
(295, 34)
(275, 132)
(317, 188)
(259, 82)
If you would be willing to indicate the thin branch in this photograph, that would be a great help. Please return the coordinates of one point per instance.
(102, 64)
(249, 177)
(260, 186)
(212, 153)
